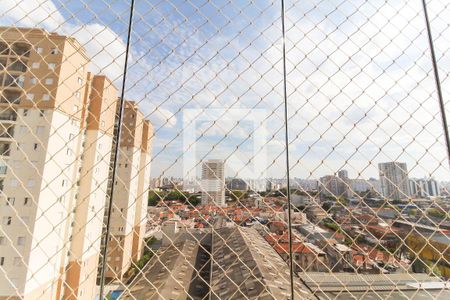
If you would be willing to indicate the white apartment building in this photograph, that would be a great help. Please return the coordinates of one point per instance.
(424, 187)
(213, 183)
(394, 180)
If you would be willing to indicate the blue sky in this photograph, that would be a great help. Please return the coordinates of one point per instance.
(357, 70)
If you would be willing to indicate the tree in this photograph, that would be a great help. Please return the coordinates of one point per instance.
(437, 213)
(237, 195)
(194, 200)
(176, 195)
(154, 198)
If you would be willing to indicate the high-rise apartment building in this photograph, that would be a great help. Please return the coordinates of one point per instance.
(344, 184)
(81, 271)
(129, 213)
(213, 183)
(56, 135)
(44, 85)
(394, 180)
(424, 187)
(329, 186)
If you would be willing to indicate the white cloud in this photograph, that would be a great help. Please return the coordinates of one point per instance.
(31, 13)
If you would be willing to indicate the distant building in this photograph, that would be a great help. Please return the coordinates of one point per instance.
(237, 184)
(305, 184)
(256, 185)
(343, 184)
(394, 180)
(329, 186)
(213, 182)
(425, 187)
(129, 215)
(364, 185)
(343, 174)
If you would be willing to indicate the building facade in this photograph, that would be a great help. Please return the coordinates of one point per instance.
(56, 135)
(81, 270)
(45, 87)
(127, 225)
(213, 183)
(424, 187)
(394, 180)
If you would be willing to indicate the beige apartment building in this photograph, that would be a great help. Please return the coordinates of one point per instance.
(56, 133)
(81, 271)
(44, 82)
(129, 211)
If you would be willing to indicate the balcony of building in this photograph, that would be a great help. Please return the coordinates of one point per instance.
(4, 49)
(17, 66)
(6, 132)
(5, 150)
(10, 96)
(20, 49)
(15, 81)
(8, 116)
(16, 49)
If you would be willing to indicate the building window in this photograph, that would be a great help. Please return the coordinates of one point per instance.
(40, 129)
(17, 261)
(39, 50)
(10, 201)
(7, 220)
(21, 241)
(75, 108)
(51, 66)
(35, 146)
(25, 112)
(27, 201)
(2, 240)
(41, 112)
(14, 182)
(30, 96)
(64, 182)
(25, 220)
(33, 81)
(45, 97)
(68, 152)
(49, 81)
(2, 261)
(30, 183)
(80, 81)
(35, 65)
(77, 95)
(22, 129)
(54, 51)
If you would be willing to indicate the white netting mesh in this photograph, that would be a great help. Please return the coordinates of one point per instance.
(143, 150)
